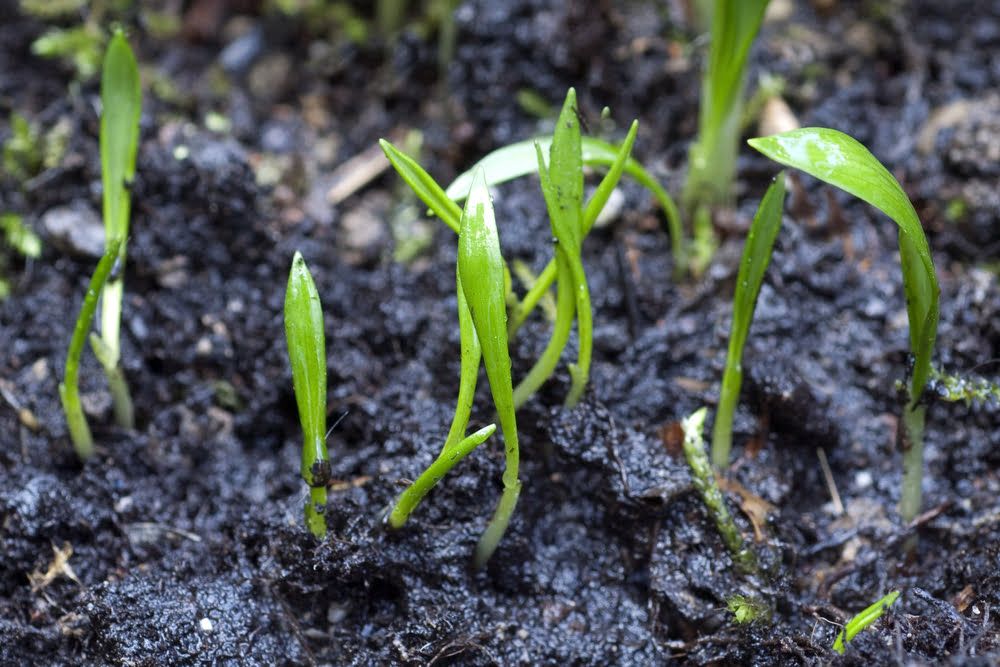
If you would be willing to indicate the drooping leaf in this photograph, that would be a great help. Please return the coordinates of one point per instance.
(842, 161)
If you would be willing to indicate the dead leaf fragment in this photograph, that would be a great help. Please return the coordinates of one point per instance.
(58, 567)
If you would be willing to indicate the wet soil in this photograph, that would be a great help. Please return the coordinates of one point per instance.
(182, 542)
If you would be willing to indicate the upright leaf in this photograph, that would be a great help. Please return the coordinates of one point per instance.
(307, 355)
(756, 257)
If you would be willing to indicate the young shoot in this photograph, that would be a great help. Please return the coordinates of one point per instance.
(756, 257)
(841, 161)
(562, 186)
(703, 478)
(712, 158)
(307, 355)
(121, 100)
(69, 388)
(863, 620)
(482, 277)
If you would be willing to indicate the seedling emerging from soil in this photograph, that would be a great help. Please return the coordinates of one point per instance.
(863, 620)
(120, 108)
(121, 100)
(712, 159)
(69, 388)
(756, 257)
(307, 354)
(703, 477)
(482, 277)
(842, 161)
(562, 186)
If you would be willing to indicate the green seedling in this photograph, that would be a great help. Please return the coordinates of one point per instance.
(562, 186)
(121, 101)
(756, 257)
(863, 620)
(22, 240)
(79, 45)
(746, 609)
(841, 161)
(712, 158)
(307, 354)
(518, 159)
(703, 478)
(482, 277)
(69, 388)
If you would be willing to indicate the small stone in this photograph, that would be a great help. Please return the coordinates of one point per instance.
(75, 229)
(271, 76)
(205, 625)
(362, 231)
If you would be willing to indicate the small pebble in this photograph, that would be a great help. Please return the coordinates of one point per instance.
(76, 229)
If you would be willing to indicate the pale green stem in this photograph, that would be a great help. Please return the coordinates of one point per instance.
(549, 359)
(445, 461)
(69, 389)
(722, 430)
(913, 461)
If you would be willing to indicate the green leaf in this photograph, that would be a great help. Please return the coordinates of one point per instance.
(712, 160)
(518, 159)
(566, 174)
(424, 186)
(861, 621)
(753, 265)
(481, 272)
(307, 354)
(121, 101)
(840, 160)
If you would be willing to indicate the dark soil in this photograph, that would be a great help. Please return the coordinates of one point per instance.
(186, 535)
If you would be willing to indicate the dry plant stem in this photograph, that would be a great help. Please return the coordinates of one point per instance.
(69, 389)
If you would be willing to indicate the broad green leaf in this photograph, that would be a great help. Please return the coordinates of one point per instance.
(307, 354)
(861, 621)
(753, 265)
(840, 160)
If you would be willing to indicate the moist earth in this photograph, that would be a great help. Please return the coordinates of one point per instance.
(182, 542)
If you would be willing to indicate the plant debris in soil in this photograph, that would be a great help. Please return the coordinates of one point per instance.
(182, 542)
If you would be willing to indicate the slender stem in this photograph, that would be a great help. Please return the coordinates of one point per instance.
(471, 354)
(445, 461)
(722, 430)
(315, 511)
(913, 461)
(703, 478)
(541, 286)
(580, 371)
(495, 530)
(121, 399)
(69, 389)
(546, 364)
